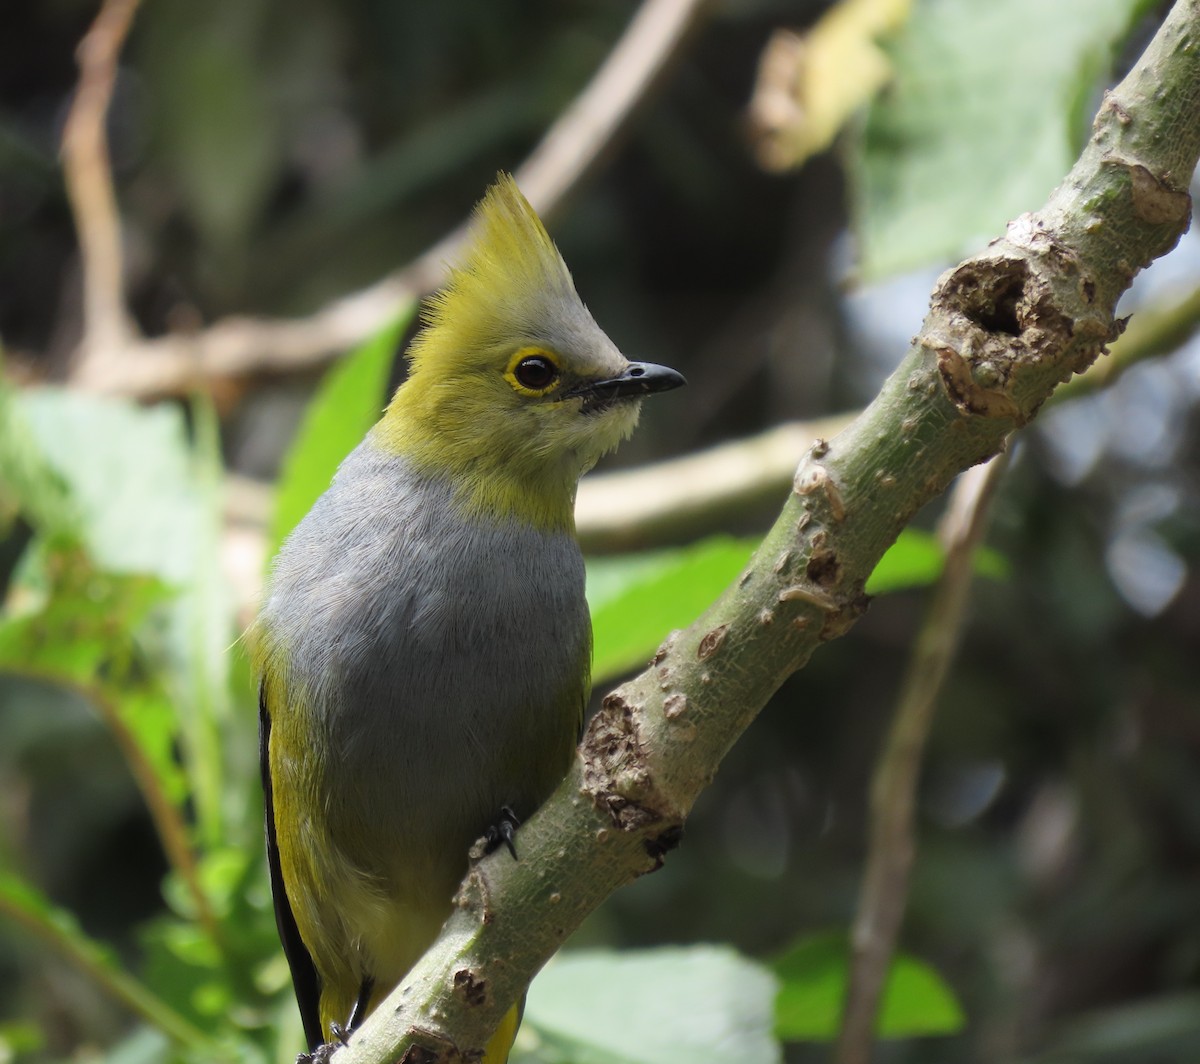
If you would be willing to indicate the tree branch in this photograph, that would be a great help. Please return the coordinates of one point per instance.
(106, 325)
(171, 365)
(894, 786)
(1003, 329)
(669, 501)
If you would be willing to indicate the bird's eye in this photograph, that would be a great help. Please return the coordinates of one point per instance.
(536, 372)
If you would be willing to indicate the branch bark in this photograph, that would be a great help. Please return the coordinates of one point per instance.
(1003, 329)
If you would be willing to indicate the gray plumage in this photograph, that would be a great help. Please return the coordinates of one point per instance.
(426, 654)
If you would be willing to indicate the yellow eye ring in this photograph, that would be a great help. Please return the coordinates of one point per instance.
(533, 371)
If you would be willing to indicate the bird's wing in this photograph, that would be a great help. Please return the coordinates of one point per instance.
(304, 972)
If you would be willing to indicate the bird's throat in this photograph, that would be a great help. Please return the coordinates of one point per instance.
(485, 483)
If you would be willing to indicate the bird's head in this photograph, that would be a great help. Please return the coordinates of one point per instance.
(513, 390)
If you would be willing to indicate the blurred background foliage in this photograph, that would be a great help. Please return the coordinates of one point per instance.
(270, 156)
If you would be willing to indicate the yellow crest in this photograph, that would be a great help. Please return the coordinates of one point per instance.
(499, 288)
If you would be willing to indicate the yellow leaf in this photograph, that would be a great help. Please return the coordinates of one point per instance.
(810, 84)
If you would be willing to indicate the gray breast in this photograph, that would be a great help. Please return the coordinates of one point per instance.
(438, 657)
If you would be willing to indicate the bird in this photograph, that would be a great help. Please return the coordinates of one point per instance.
(423, 651)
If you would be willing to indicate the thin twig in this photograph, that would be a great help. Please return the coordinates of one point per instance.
(893, 791)
(169, 824)
(94, 961)
(89, 182)
(675, 500)
(170, 365)
(107, 336)
(574, 143)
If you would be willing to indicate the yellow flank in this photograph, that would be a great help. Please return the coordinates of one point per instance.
(501, 1042)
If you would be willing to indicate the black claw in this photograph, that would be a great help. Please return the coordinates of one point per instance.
(502, 832)
(323, 1052)
(359, 1012)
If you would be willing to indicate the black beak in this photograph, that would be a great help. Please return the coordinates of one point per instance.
(639, 378)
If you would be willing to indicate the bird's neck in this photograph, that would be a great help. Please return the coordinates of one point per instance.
(490, 481)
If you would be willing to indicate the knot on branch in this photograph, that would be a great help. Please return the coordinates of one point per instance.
(470, 987)
(432, 1047)
(1003, 316)
(618, 780)
(1156, 200)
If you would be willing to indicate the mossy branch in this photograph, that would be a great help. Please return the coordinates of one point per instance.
(1003, 329)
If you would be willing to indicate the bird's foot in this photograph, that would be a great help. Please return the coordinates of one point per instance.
(323, 1052)
(501, 833)
(320, 1055)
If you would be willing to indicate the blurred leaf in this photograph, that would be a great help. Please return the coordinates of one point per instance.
(206, 980)
(348, 402)
(216, 123)
(143, 1045)
(28, 482)
(200, 687)
(19, 1038)
(637, 599)
(85, 617)
(83, 637)
(143, 501)
(1165, 1030)
(809, 84)
(915, 560)
(22, 902)
(128, 472)
(813, 975)
(179, 961)
(976, 87)
(661, 1006)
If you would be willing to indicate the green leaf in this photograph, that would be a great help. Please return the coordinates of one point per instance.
(128, 489)
(83, 636)
(346, 405)
(20, 1039)
(661, 1006)
(206, 610)
(209, 99)
(916, 559)
(813, 975)
(23, 903)
(637, 599)
(28, 482)
(983, 118)
(128, 472)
